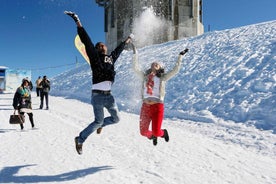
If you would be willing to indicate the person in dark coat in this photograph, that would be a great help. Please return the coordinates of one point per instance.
(45, 84)
(22, 101)
(103, 75)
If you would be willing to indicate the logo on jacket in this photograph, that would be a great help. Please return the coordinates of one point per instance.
(108, 59)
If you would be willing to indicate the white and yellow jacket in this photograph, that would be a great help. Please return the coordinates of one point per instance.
(159, 93)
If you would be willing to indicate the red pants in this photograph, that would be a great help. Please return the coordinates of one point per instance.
(154, 113)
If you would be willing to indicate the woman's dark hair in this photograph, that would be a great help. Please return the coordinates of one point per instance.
(148, 71)
(25, 80)
(158, 72)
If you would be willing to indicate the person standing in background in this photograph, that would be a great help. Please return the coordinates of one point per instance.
(22, 101)
(45, 83)
(38, 86)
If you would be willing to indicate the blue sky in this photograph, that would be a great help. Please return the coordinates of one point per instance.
(36, 35)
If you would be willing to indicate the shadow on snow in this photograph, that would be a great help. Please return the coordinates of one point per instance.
(8, 175)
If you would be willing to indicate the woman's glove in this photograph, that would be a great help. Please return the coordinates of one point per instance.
(184, 52)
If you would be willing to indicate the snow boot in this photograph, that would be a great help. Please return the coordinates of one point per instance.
(166, 135)
(154, 140)
(99, 130)
(78, 146)
(21, 126)
(73, 15)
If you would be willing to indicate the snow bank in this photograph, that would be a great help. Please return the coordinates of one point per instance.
(230, 74)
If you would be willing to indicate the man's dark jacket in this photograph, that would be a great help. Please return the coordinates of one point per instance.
(102, 65)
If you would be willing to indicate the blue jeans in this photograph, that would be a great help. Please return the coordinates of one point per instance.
(42, 95)
(99, 102)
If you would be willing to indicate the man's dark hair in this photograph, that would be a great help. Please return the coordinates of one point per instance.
(98, 44)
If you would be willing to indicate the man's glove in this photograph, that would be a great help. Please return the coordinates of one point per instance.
(131, 36)
(73, 15)
(184, 52)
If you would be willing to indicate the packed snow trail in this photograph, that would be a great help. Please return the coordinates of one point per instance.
(197, 152)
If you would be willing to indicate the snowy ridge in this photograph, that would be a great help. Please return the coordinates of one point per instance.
(228, 75)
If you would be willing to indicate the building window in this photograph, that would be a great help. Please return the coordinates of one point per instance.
(112, 19)
(200, 11)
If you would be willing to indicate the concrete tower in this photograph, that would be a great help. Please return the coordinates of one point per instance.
(171, 20)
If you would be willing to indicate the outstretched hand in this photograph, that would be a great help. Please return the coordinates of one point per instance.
(73, 15)
(129, 38)
(184, 52)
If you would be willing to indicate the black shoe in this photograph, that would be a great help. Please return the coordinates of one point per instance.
(99, 130)
(166, 135)
(73, 15)
(154, 140)
(78, 146)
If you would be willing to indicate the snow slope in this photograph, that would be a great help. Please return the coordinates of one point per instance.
(197, 152)
(216, 108)
(229, 74)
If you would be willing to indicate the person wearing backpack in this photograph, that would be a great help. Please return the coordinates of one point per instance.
(45, 83)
